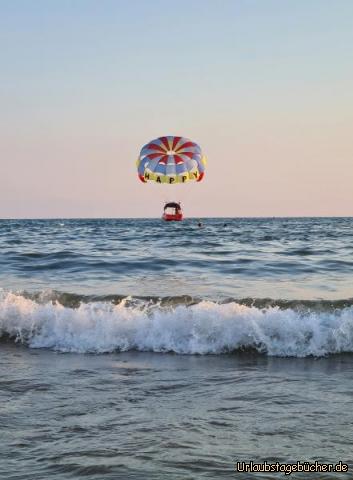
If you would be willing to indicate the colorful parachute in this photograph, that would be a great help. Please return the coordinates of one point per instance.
(171, 160)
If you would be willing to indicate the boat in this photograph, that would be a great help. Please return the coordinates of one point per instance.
(172, 212)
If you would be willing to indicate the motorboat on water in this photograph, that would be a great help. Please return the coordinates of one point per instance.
(172, 212)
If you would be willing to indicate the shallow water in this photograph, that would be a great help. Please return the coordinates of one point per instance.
(155, 416)
(137, 349)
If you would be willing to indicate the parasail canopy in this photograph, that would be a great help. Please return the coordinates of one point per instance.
(171, 160)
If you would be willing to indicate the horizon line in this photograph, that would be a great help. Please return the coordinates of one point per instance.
(189, 217)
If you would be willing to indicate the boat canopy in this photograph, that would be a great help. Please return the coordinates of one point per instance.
(172, 205)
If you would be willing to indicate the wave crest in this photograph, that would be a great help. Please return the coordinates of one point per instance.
(203, 328)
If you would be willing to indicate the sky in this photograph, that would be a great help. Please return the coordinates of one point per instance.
(265, 87)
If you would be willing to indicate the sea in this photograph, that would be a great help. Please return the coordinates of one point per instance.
(143, 349)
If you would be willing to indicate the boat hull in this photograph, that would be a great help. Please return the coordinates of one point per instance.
(168, 217)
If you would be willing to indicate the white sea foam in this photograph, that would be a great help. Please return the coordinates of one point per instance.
(205, 328)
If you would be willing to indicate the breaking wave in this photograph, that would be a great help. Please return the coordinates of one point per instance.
(181, 325)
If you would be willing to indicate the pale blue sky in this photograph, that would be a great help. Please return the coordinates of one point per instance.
(265, 87)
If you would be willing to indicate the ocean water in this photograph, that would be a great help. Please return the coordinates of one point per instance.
(142, 349)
